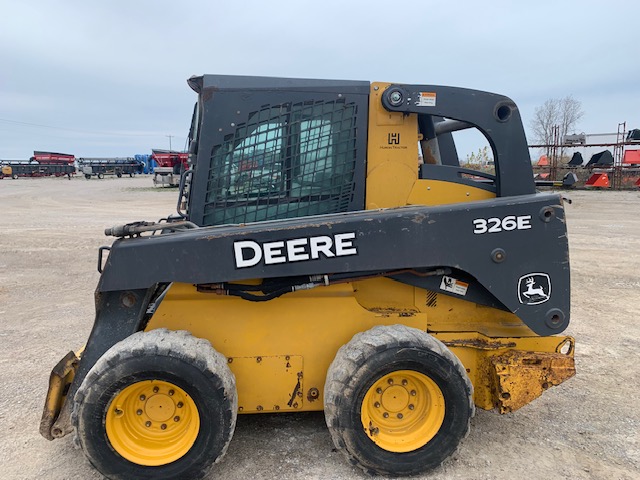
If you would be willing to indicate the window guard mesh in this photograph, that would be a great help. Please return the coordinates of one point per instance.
(287, 160)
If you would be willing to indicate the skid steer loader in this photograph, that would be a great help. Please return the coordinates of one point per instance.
(315, 263)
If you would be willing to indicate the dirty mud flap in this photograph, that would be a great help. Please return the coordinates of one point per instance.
(518, 377)
(61, 377)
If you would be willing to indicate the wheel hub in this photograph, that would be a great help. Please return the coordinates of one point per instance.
(395, 398)
(159, 408)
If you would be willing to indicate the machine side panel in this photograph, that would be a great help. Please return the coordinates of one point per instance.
(516, 248)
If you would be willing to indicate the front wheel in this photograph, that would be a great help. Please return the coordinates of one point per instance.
(159, 404)
(397, 401)
(101, 175)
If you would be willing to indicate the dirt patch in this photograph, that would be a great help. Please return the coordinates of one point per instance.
(584, 429)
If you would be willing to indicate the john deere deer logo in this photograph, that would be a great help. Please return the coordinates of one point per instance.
(534, 288)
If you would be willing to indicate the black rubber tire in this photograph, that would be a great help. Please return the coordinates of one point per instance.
(119, 174)
(130, 175)
(377, 352)
(87, 176)
(101, 176)
(173, 356)
(14, 176)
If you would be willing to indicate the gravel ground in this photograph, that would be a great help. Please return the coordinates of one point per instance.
(585, 429)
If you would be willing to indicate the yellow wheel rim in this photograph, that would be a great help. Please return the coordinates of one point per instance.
(152, 423)
(402, 411)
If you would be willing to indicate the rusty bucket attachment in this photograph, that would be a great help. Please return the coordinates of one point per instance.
(598, 180)
(519, 377)
(59, 382)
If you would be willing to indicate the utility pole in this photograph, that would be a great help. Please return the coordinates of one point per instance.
(170, 137)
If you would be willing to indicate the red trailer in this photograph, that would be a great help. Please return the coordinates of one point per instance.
(52, 158)
(170, 165)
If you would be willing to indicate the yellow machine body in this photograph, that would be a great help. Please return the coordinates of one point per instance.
(280, 350)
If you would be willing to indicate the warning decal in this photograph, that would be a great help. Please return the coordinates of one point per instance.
(450, 284)
(427, 99)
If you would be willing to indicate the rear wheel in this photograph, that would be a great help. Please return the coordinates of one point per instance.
(14, 176)
(101, 175)
(397, 401)
(160, 404)
(87, 176)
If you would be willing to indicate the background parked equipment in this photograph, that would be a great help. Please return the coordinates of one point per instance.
(41, 164)
(169, 166)
(100, 167)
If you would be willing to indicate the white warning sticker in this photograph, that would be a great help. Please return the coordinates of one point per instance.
(427, 99)
(450, 284)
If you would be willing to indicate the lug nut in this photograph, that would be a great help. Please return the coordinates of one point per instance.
(180, 405)
(176, 419)
(411, 407)
(143, 398)
(139, 412)
(390, 381)
(404, 382)
(117, 411)
(385, 415)
(413, 393)
(147, 423)
(171, 392)
(163, 426)
(155, 389)
(378, 390)
(400, 416)
(377, 404)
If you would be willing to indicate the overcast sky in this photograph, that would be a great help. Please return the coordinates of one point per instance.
(109, 78)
